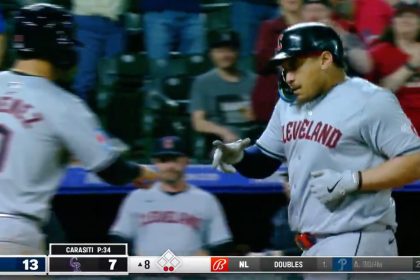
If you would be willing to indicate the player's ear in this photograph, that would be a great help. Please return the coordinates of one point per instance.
(326, 60)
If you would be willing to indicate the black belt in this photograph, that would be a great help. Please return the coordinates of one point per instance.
(306, 240)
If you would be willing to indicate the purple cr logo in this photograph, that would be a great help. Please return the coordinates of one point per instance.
(75, 264)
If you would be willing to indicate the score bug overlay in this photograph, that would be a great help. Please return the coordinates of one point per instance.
(88, 259)
(113, 260)
(23, 265)
(88, 249)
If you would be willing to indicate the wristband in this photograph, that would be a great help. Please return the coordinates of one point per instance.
(359, 186)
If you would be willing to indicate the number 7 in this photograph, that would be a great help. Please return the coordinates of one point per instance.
(112, 262)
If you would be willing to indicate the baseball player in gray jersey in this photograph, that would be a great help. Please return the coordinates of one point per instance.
(172, 214)
(347, 143)
(37, 121)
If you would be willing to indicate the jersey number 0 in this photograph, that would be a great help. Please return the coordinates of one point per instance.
(4, 144)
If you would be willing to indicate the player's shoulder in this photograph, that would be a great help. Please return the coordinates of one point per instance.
(45, 91)
(139, 195)
(154, 188)
(366, 92)
(200, 194)
(67, 103)
(66, 98)
(359, 87)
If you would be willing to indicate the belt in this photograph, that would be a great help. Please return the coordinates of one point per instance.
(31, 218)
(305, 240)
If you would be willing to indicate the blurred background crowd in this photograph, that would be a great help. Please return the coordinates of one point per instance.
(199, 68)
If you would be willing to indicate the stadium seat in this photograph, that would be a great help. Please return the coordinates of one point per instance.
(173, 117)
(129, 69)
(133, 22)
(176, 64)
(135, 33)
(127, 118)
(217, 15)
(177, 88)
(179, 64)
(198, 64)
(121, 100)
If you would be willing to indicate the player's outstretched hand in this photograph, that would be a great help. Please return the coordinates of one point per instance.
(328, 185)
(227, 154)
(147, 178)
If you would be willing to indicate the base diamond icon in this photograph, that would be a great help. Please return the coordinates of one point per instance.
(169, 262)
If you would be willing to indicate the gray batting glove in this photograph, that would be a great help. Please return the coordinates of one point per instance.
(329, 185)
(228, 154)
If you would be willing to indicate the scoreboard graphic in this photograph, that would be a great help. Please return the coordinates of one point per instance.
(113, 259)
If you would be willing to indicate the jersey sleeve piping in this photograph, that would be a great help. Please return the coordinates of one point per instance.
(409, 151)
(270, 153)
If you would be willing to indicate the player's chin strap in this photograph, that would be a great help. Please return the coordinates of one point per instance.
(285, 92)
(286, 97)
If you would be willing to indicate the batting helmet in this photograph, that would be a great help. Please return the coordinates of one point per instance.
(306, 38)
(45, 31)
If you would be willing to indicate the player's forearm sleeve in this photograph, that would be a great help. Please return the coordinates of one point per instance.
(256, 164)
(120, 172)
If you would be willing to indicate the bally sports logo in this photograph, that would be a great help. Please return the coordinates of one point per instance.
(219, 264)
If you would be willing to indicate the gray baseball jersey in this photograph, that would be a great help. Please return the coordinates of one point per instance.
(356, 126)
(38, 120)
(184, 222)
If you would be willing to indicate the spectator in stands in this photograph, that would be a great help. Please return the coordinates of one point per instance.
(371, 17)
(247, 16)
(3, 43)
(102, 35)
(344, 8)
(396, 59)
(172, 214)
(172, 26)
(356, 55)
(220, 98)
(264, 95)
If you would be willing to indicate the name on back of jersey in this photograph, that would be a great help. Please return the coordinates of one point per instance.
(22, 111)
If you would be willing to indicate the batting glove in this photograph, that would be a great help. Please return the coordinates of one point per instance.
(329, 185)
(226, 155)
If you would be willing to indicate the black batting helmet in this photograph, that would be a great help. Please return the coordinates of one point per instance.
(309, 37)
(306, 38)
(45, 31)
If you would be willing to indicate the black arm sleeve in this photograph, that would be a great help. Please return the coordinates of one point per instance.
(119, 239)
(120, 172)
(256, 164)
